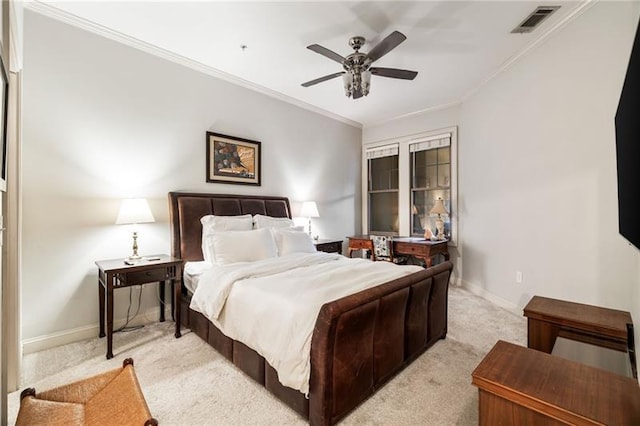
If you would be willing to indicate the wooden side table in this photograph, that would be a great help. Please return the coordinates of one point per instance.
(328, 246)
(548, 319)
(421, 248)
(361, 242)
(114, 274)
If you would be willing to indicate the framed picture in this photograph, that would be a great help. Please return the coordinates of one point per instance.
(4, 98)
(233, 160)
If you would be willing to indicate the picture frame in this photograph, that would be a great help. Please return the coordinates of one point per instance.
(233, 160)
(4, 103)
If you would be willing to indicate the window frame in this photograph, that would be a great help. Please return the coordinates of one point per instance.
(404, 183)
(378, 152)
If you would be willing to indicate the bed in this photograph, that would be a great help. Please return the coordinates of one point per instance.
(359, 341)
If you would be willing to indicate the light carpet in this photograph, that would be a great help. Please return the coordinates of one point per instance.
(186, 382)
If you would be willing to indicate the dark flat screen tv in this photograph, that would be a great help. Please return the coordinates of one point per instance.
(628, 149)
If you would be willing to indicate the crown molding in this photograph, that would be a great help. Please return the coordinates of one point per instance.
(414, 113)
(531, 46)
(506, 65)
(84, 24)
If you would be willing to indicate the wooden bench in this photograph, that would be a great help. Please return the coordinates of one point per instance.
(549, 318)
(518, 385)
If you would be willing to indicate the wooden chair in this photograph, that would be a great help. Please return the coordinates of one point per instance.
(382, 248)
(111, 398)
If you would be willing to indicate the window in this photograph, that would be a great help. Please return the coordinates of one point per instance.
(404, 177)
(430, 163)
(382, 166)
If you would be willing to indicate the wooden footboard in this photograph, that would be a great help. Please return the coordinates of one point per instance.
(361, 341)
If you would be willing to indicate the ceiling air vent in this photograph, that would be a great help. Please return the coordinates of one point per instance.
(534, 19)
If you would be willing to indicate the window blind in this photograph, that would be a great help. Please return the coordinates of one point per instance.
(382, 151)
(431, 143)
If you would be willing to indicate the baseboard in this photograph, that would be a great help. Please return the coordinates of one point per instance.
(456, 281)
(481, 292)
(48, 341)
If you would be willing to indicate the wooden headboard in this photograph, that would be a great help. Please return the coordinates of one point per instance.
(186, 209)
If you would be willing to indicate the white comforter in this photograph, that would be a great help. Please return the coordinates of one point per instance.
(272, 305)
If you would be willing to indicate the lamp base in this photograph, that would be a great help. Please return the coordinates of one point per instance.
(135, 257)
(440, 229)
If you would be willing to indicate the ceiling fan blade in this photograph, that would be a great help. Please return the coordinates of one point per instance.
(321, 79)
(386, 46)
(326, 52)
(393, 73)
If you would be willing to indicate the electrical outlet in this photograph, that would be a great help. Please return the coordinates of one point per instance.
(519, 277)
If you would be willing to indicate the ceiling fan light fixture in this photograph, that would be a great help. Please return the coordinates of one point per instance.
(356, 77)
(365, 82)
(347, 80)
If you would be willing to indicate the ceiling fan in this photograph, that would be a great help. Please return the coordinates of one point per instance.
(357, 66)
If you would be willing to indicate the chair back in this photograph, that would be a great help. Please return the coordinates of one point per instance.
(382, 247)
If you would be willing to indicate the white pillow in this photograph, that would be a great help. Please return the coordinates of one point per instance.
(211, 224)
(242, 246)
(293, 241)
(277, 234)
(261, 221)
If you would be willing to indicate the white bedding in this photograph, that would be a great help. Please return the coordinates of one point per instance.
(192, 272)
(271, 305)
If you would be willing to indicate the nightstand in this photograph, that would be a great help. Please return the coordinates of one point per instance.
(328, 246)
(114, 274)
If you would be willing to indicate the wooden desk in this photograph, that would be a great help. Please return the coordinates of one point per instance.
(518, 385)
(421, 248)
(549, 318)
(113, 274)
(418, 247)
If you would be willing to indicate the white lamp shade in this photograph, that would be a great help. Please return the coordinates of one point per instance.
(134, 210)
(438, 208)
(309, 209)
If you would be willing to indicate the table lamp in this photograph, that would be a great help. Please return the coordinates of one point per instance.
(134, 211)
(309, 209)
(439, 209)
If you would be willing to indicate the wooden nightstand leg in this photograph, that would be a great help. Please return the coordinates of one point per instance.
(110, 317)
(175, 303)
(161, 284)
(101, 295)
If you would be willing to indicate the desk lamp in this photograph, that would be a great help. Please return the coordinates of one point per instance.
(439, 209)
(134, 211)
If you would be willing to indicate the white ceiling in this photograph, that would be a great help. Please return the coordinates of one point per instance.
(455, 46)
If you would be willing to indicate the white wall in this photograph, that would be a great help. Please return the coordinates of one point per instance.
(412, 124)
(537, 171)
(103, 121)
